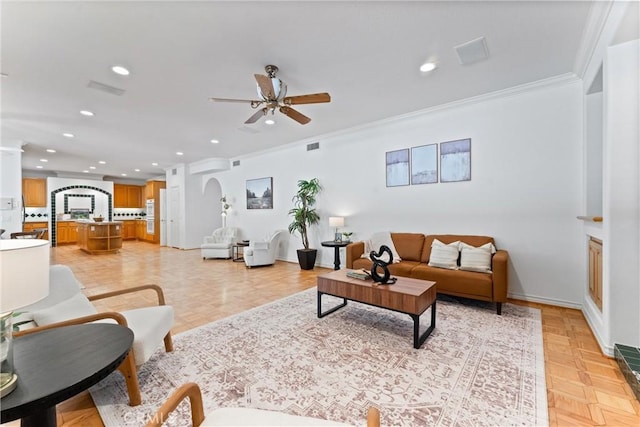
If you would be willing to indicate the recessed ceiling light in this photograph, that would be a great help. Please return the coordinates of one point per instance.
(87, 113)
(102, 162)
(428, 66)
(214, 141)
(68, 135)
(137, 170)
(270, 122)
(179, 153)
(44, 160)
(92, 167)
(85, 171)
(119, 69)
(123, 174)
(50, 150)
(154, 164)
(39, 167)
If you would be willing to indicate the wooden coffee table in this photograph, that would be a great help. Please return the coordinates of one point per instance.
(409, 296)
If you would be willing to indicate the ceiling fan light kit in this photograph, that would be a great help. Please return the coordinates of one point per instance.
(272, 93)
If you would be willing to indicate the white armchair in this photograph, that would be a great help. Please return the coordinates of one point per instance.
(263, 252)
(67, 305)
(218, 245)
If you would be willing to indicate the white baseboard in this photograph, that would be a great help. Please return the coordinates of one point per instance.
(548, 301)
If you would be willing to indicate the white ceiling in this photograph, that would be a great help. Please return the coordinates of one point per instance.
(365, 54)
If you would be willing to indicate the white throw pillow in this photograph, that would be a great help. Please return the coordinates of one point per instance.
(476, 259)
(376, 241)
(76, 306)
(444, 256)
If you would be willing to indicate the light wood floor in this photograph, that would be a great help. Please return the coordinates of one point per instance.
(584, 388)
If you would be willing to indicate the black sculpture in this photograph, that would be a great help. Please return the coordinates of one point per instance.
(386, 279)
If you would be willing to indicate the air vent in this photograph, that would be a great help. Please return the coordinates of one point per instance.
(236, 163)
(313, 146)
(106, 88)
(174, 171)
(472, 51)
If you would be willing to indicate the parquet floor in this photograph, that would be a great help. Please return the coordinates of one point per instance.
(584, 388)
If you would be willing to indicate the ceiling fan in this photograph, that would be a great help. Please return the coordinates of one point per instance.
(272, 93)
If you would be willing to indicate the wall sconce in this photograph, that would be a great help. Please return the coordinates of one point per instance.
(336, 221)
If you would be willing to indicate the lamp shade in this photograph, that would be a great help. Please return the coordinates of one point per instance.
(336, 221)
(24, 272)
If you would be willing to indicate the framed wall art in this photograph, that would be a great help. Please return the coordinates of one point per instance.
(397, 164)
(455, 160)
(424, 164)
(260, 193)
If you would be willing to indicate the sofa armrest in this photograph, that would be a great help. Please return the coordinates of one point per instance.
(354, 251)
(208, 239)
(500, 275)
(260, 245)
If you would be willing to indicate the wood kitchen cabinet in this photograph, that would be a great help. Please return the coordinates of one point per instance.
(595, 271)
(152, 191)
(34, 191)
(127, 196)
(66, 232)
(141, 229)
(129, 230)
(100, 237)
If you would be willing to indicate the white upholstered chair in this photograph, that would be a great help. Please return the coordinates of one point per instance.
(240, 416)
(218, 245)
(263, 252)
(66, 305)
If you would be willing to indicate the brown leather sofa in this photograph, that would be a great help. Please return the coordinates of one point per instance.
(415, 249)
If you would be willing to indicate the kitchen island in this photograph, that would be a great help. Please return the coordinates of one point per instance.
(100, 237)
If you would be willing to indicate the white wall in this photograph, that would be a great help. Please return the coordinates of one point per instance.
(525, 189)
(11, 187)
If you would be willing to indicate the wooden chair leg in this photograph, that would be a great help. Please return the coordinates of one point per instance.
(168, 342)
(130, 373)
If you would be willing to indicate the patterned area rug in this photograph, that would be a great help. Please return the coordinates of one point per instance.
(476, 368)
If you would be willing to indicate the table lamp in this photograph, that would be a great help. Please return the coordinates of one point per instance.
(336, 221)
(24, 279)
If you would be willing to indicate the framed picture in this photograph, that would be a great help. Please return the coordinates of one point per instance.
(397, 163)
(260, 193)
(455, 161)
(424, 164)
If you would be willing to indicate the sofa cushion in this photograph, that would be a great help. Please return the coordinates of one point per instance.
(476, 259)
(457, 282)
(408, 245)
(376, 241)
(449, 238)
(76, 306)
(444, 255)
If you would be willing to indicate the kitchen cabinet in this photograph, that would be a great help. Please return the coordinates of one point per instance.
(141, 229)
(127, 196)
(31, 226)
(152, 191)
(100, 237)
(34, 191)
(129, 230)
(66, 232)
(595, 271)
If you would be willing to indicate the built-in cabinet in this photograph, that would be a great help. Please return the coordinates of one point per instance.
(66, 232)
(152, 192)
(34, 191)
(127, 196)
(141, 229)
(595, 271)
(129, 231)
(31, 226)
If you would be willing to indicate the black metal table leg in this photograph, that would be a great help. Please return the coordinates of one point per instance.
(418, 339)
(331, 310)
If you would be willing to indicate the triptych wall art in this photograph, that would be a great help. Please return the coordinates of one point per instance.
(419, 165)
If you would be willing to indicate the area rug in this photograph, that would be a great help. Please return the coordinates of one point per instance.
(476, 368)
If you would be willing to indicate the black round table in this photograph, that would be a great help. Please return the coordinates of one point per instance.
(57, 364)
(336, 246)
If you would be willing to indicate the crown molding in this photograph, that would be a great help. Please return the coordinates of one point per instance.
(591, 34)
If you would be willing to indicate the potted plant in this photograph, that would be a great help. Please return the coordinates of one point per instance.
(304, 216)
(347, 236)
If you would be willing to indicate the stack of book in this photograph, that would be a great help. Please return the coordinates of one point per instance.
(359, 274)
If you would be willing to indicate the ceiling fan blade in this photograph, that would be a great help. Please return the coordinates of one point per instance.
(295, 115)
(266, 87)
(314, 98)
(244, 101)
(256, 116)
